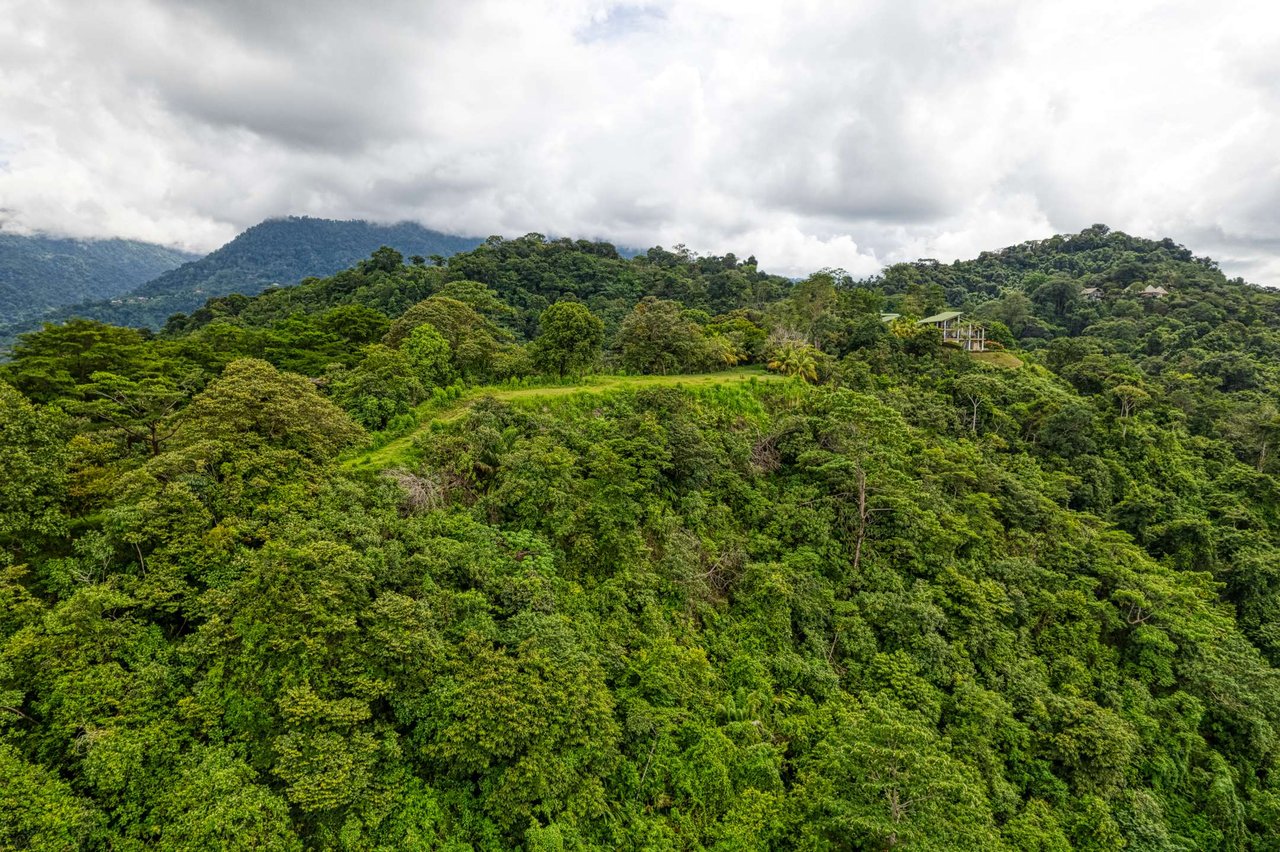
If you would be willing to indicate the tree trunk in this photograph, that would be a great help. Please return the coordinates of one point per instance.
(863, 516)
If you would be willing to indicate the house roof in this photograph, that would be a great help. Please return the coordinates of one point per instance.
(942, 317)
(889, 317)
(1156, 290)
(1087, 290)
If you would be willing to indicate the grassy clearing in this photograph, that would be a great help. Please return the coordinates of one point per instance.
(400, 450)
(994, 358)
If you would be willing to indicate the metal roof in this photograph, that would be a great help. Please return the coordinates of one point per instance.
(942, 317)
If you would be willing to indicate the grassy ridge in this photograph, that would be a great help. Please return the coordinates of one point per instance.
(401, 450)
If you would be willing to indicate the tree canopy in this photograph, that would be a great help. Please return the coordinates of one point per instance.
(375, 562)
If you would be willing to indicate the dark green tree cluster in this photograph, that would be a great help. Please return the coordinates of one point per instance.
(910, 598)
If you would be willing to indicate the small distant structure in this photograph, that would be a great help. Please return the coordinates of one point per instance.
(1093, 294)
(968, 335)
(889, 317)
(1150, 292)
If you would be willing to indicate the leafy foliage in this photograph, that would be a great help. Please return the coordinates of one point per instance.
(569, 338)
(903, 599)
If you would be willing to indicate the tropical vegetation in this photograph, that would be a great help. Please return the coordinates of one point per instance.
(542, 547)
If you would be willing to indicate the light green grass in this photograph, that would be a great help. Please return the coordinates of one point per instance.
(400, 450)
(996, 358)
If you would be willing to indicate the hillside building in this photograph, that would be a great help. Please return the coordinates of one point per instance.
(968, 335)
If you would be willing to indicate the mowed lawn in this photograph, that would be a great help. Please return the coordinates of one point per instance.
(400, 449)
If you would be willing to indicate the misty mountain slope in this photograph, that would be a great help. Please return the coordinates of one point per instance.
(40, 272)
(277, 251)
(284, 251)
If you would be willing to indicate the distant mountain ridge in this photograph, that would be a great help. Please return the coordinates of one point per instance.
(285, 251)
(275, 252)
(41, 272)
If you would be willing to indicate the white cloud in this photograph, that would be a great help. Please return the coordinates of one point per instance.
(811, 134)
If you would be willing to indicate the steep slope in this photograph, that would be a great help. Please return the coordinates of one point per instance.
(285, 251)
(347, 565)
(41, 272)
(278, 251)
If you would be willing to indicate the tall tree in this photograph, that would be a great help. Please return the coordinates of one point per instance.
(569, 338)
(657, 338)
(252, 400)
(142, 410)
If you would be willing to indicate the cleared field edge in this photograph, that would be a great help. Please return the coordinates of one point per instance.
(1004, 360)
(392, 452)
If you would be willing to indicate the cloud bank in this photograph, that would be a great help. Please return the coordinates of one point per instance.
(811, 134)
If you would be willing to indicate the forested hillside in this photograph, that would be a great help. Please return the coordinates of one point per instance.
(41, 272)
(275, 252)
(405, 558)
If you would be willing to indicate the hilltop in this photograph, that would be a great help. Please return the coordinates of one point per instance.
(41, 272)
(545, 547)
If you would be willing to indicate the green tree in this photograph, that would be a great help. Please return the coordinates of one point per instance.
(1253, 428)
(142, 410)
(812, 300)
(33, 471)
(253, 401)
(569, 338)
(472, 338)
(383, 385)
(793, 358)
(1056, 296)
(429, 355)
(384, 259)
(49, 363)
(746, 336)
(1129, 397)
(1013, 309)
(358, 324)
(657, 338)
(879, 779)
(977, 393)
(40, 811)
(219, 802)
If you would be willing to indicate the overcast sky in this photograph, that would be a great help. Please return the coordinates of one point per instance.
(811, 134)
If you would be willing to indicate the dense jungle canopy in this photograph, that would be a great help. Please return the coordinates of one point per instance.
(384, 561)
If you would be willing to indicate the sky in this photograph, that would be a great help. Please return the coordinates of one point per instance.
(811, 134)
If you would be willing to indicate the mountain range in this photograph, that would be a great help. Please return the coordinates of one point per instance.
(138, 284)
(40, 272)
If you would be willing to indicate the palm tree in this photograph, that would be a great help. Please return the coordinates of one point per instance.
(795, 359)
